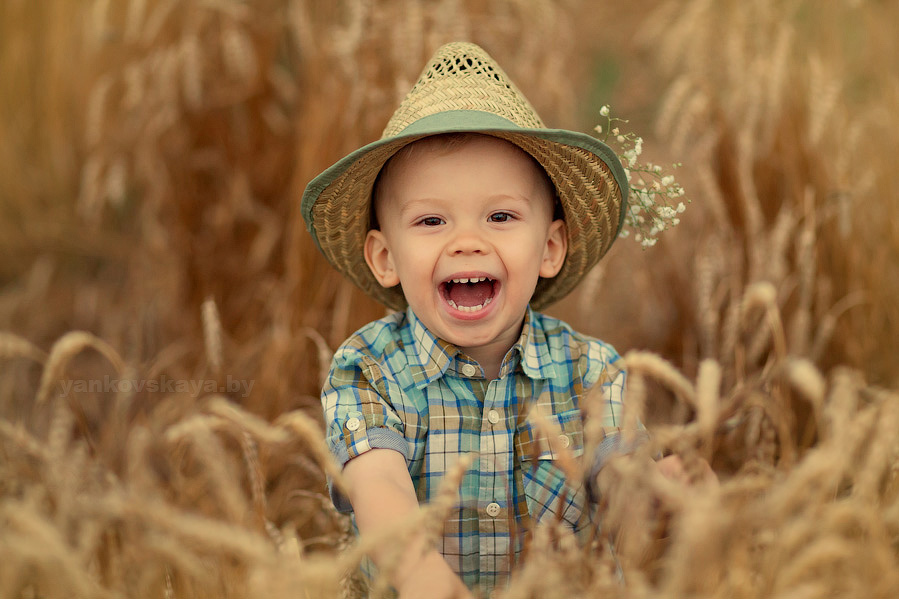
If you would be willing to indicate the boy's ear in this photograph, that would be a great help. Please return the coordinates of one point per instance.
(379, 259)
(555, 250)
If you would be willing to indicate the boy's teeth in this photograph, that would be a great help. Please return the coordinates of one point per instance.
(470, 280)
(470, 308)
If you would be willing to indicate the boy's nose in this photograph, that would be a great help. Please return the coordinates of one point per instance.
(467, 242)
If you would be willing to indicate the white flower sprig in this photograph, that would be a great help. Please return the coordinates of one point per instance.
(651, 207)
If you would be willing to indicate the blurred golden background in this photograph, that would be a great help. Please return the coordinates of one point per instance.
(152, 156)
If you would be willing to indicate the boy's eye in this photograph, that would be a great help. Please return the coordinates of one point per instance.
(431, 221)
(500, 217)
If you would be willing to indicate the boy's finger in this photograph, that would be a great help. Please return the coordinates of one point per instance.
(672, 468)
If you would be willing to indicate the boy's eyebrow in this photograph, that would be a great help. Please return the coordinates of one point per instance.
(525, 199)
(413, 204)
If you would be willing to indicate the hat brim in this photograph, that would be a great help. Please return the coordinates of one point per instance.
(590, 182)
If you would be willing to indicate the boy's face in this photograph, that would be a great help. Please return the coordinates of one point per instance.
(467, 232)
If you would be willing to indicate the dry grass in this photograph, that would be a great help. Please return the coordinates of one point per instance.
(153, 154)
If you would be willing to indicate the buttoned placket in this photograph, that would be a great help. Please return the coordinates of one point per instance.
(495, 484)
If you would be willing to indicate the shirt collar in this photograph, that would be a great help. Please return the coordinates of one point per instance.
(430, 357)
(533, 348)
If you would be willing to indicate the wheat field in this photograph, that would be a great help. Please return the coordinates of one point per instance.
(165, 320)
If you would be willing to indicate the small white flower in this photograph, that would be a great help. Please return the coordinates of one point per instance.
(649, 211)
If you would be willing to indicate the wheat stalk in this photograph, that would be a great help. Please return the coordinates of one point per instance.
(13, 346)
(310, 431)
(324, 352)
(68, 346)
(34, 538)
(661, 370)
(20, 437)
(212, 330)
(708, 383)
(211, 534)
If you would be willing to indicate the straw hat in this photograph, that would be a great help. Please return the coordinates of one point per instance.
(463, 90)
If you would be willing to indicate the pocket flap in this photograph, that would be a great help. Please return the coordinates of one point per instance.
(549, 436)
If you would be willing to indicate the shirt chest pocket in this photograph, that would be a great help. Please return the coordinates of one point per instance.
(551, 447)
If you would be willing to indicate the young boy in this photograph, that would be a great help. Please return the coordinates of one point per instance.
(466, 217)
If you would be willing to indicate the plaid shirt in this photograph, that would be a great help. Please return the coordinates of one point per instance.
(394, 385)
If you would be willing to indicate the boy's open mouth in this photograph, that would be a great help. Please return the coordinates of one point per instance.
(469, 294)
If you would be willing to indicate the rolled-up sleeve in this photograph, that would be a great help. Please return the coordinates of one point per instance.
(607, 374)
(358, 413)
(603, 372)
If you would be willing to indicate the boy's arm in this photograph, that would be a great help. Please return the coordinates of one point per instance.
(383, 496)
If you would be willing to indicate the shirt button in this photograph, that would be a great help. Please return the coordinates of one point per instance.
(493, 416)
(493, 509)
(352, 424)
(469, 369)
(564, 441)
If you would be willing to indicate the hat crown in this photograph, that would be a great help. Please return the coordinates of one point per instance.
(462, 76)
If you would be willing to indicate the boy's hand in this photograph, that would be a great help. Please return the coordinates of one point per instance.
(432, 578)
(672, 468)
(638, 506)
